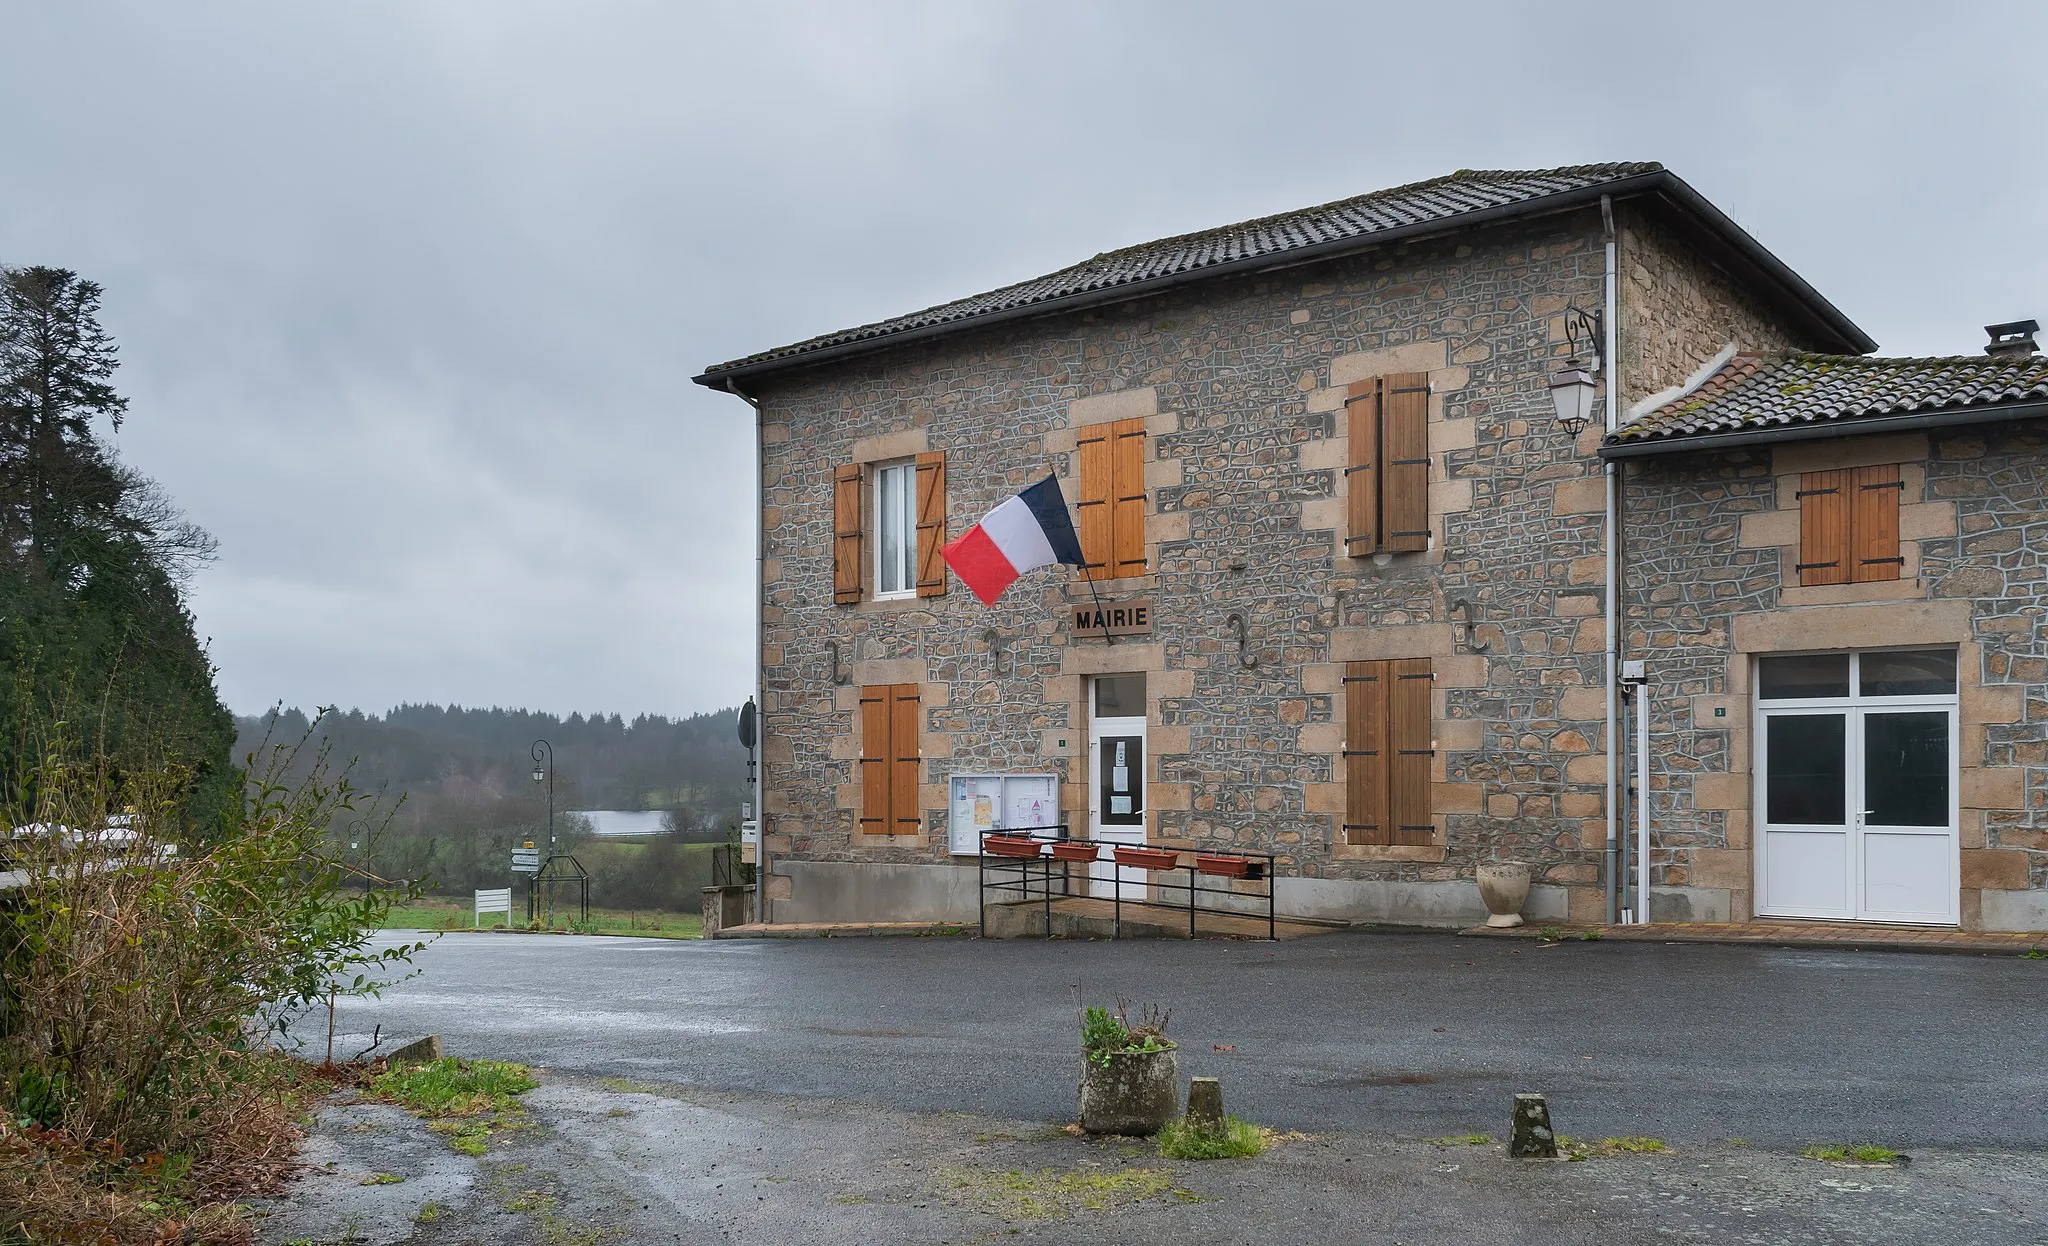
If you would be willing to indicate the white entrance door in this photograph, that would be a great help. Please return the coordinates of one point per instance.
(1116, 777)
(1856, 787)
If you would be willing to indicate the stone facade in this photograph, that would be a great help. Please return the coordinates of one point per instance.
(1708, 586)
(1240, 382)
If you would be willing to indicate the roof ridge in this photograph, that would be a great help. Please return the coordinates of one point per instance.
(1388, 192)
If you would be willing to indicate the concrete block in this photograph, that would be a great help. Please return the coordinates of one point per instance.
(1205, 1105)
(870, 891)
(1530, 1135)
(418, 1051)
(1689, 904)
(2013, 910)
(1396, 902)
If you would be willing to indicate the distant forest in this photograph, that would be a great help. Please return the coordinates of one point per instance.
(466, 776)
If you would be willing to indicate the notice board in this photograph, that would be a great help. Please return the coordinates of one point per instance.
(1000, 802)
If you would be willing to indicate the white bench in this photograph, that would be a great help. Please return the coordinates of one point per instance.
(498, 901)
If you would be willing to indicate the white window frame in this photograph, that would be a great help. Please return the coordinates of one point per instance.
(905, 471)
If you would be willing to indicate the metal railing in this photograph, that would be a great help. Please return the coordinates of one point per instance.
(1005, 867)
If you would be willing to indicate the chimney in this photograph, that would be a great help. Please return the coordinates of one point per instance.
(2014, 340)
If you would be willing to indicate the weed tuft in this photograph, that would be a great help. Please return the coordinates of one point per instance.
(1237, 1139)
(1851, 1153)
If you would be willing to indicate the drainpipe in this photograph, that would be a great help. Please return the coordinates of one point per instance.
(763, 910)
(1613, 629)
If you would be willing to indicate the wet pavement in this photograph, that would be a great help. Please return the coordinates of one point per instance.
(1379, 1034)
(605, 1161)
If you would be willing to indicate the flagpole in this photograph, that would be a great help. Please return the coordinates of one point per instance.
(1107, 638)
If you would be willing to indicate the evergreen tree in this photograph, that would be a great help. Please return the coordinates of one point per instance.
(94, 636)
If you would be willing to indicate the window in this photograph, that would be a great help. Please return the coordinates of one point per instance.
(909, 516)
(1387, 751)
(1112, 502)
(1849, 525)
(889, 762)
(1387, 426)
(896, 530)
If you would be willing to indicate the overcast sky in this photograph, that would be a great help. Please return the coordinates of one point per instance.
(409, 295)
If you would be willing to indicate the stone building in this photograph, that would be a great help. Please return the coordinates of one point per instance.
(1364, 570)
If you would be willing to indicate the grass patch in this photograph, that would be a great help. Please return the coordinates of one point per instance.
(1464, 1140)
(1051, 1193)
(1550, 934)
(454, 915)
(1238, 1139)
(430, 1213)
(382, 1178)
(1576, 1149)
(1851, 1153)
(464, 1101)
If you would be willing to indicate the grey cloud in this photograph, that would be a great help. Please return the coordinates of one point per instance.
(409, 295)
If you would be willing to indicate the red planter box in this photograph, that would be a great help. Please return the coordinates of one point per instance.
(1005, 846)
(1148, 858)
(1070, 851)
(1224, 867)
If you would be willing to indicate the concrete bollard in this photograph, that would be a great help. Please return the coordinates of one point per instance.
(1532, 1137)
(419, 1051)
(1205, 1105)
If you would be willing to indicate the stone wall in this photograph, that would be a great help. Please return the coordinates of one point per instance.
(1679, 308)
(1709, 584)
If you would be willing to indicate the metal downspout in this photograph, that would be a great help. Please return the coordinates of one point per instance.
(1613, 611)
(763, 910)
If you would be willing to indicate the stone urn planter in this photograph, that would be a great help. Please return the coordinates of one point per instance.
(1130, 1092)
(1504, 886)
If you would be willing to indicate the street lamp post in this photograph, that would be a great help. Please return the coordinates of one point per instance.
(544, 754)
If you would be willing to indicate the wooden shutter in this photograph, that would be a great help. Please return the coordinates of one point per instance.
(1404, 462)
(1409, 748)
(1362, 476)
(889, 761)
(903, 759)
(1365, 754)
(1127, 491)
(1824, 528)
(931, 524)
(1094, 505)
(846, 534)
(875, 758)
(1873, 547)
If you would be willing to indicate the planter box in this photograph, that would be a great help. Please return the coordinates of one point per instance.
(1225, 867)
(1070, 851)
(1147, 858)
(1134, 1094)
(1003, 846)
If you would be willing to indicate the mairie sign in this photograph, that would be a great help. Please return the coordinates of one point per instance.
(1111, 618)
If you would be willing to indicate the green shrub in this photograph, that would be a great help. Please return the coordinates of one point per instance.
(1105, 1034)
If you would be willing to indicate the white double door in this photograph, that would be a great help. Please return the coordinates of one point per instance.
(1116, 778)
(1858, 812)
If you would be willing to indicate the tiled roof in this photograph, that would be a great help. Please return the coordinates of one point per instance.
(1441, 199)
(1782, 389)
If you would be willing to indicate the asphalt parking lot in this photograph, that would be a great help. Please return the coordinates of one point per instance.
(1393, 1035)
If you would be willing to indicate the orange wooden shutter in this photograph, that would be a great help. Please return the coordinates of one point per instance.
(903, 759)
(1365, 753)
(846, 534)
(1098, 477)
(1362, 431)
(1409, 750)
(931, 524)
(1824, 528)
(1127, 498)
(875, 754)
(1873, 546)
(1404, 462)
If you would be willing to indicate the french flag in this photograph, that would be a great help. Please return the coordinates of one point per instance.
(1030, 530)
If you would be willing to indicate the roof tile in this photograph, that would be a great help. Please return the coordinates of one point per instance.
(1766, 390)
(1439, 199)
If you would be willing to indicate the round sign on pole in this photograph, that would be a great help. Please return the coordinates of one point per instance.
(747, 724)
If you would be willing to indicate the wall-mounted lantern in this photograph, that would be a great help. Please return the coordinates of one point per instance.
(1572, 386)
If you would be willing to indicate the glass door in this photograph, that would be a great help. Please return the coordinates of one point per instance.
(1116, 778)
(1857, 760)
